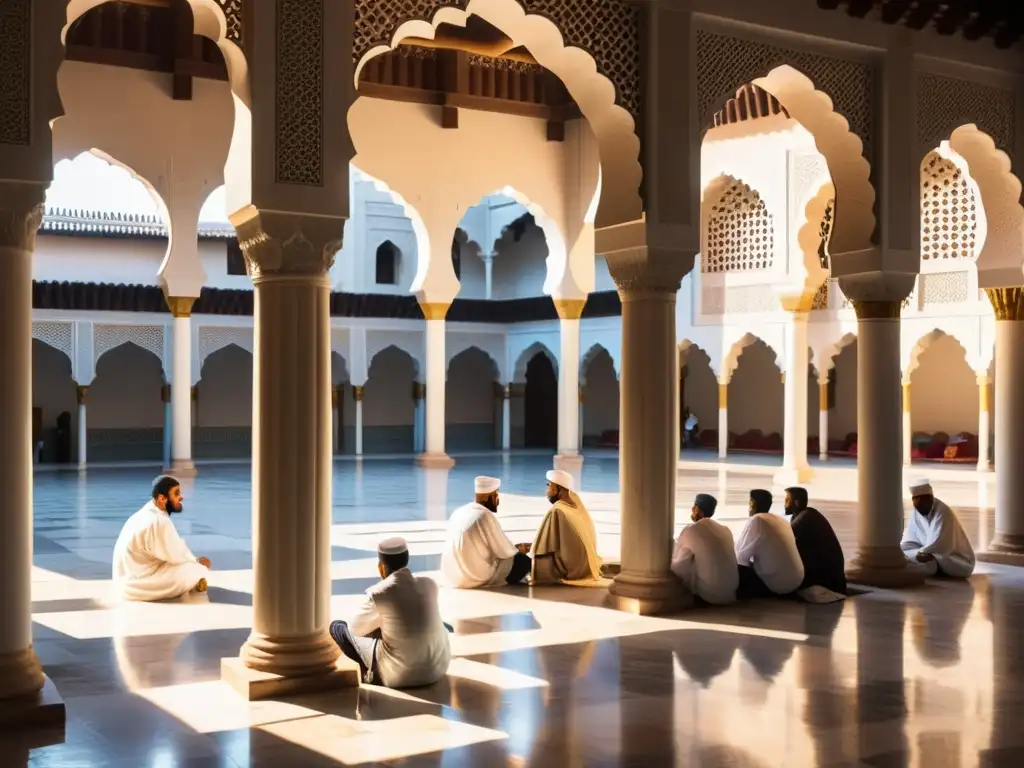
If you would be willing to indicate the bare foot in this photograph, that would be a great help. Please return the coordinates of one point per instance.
(201, 586)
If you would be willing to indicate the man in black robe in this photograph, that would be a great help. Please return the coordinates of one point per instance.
(820, 551)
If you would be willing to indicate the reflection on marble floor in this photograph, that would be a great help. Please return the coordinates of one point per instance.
(542, 677)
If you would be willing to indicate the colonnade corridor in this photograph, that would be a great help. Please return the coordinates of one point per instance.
(536, 673)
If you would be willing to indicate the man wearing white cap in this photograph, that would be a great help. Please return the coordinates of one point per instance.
(397, 636)
(478, 552)
(934, 537)
(565, 549)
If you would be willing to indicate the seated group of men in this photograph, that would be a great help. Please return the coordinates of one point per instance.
(804, 557)
(397, 635)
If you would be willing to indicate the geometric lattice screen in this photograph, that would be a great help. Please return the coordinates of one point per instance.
(949, 212)
(740, 233)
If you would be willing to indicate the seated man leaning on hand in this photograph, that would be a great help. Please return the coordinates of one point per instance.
(397, 636)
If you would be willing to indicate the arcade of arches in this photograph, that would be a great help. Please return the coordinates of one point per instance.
(436, 227)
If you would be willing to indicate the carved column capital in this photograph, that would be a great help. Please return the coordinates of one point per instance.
(649, 273)
(1008, 303)
(18, 227)
(358, 393)
(287, 244)
(878, 310)
(82, 394)
(435, 310)
(570, 309)
(180, 306)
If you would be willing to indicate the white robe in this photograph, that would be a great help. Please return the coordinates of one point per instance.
(768, 545)
(941, 536)
(705, 561)
(151, 561)
(477, 552)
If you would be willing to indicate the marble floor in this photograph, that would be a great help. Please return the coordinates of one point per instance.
(929, 677)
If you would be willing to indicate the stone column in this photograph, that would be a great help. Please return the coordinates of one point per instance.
(165, 398)
(984, 423)
(82, 394)
(1008, 543)
(908, 426)
(437, 375)
(419, 394)
(647, 453)
(823, 420)
(723, 418)
(568, 457)
(488, 259)
(795, 469)
(181, 385)
(358, 393)
(506, 418)
(20, 672)
(879, 560)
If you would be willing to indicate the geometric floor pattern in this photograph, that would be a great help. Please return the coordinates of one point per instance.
(547, 677)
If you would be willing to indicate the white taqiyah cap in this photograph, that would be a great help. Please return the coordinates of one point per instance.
(485, 484)
(560, 477)
(393, 546)
(920, 487)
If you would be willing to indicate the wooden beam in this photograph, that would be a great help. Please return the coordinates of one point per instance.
(182, 27)
(449, 117)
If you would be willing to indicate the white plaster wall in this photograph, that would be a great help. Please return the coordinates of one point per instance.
(700, 390)
(519, 268)
(943, 390)
(97, 260)
(842, 419)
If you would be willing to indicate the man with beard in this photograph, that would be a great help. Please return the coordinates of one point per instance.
(151, 561)
(565, 549)
(769, 562)
(934, 538)
(478, 552)
(820, 550)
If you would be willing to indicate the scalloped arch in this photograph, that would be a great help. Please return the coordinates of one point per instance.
(474, 349)
(537, 347)
(401, 346)
(613, 126)
(842, 149)
(111, 174)
(809, 235)
(831, 351)
(592, 354)
(737, 348)
(1000, 260)
(684, 349)
(912, 356)
(713, 194)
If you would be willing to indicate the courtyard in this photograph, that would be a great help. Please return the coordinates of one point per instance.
(925, 677)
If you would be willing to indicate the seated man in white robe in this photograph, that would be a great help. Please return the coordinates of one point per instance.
(934, 538)
(766, 553)
(478, 552)
(397, 636)
(565, 548)
(151, 561)
(705, 557)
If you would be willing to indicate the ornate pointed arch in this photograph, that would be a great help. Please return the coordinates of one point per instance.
(526, 355)
(737, 232)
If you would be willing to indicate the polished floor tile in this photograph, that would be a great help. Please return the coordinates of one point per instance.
(930, 678)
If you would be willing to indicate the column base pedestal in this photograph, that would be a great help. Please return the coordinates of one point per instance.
(1001, 558)
(649, 596)
(985, 466)
(568, 462)
(43, 709)
(822, 457)
(181, 468)
(435, 461)
(886, 569)
(254, 685)
(788, 477)
(1005, 549)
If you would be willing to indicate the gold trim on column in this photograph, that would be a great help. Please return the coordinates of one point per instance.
(82, 394)
(507, 392)
(906, 397)
(435, 310)
(1008, 303)
(581, 395)
(782, 377)
(165, 394)
(180, 306)
(983, 395)
(878, 310)
(358, 393)
(822, 395)
(723, 395)
(570, 309)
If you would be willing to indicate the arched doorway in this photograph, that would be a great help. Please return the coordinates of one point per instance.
(126, 411)
(756, 401)
(842, 390)
(943, 402)
(223, 411)
(54, 405)
(600, 401)
(540, 404)
(698, 394)
(470, 423)
(343, 412)
(388, 406)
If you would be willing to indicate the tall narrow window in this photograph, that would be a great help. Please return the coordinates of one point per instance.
(236, 261)
(457, 258)
(387, 264)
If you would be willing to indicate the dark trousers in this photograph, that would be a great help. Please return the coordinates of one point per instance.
(751, 585)
(521, 567)
(360, 649)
